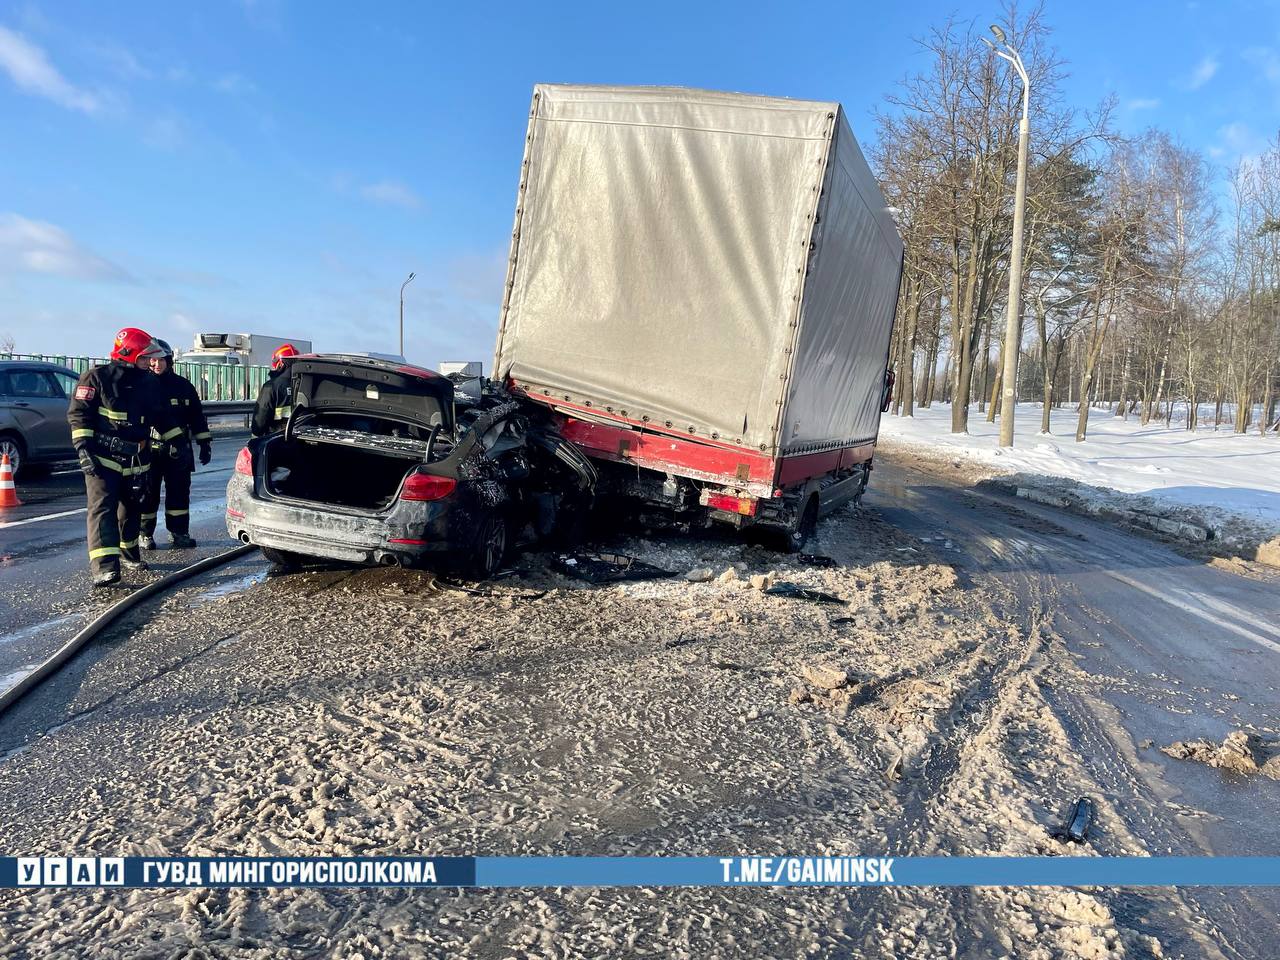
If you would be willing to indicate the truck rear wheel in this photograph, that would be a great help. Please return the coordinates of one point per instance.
(792, 539)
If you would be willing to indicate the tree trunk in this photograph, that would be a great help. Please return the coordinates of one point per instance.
(906, 392)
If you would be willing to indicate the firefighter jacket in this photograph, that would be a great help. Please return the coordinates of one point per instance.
(112, 412)
(275, 403)
(186, 415)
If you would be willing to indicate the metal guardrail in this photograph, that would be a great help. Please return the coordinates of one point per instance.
(228, 408)
(213, 381)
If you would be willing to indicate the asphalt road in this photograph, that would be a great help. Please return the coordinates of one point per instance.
(1181, 649)
(44, 586)
(1176, 649)
(1171, 649)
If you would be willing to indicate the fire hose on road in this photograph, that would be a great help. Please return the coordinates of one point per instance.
(109, 616)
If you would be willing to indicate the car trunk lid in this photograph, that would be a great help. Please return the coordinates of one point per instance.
(363, 385)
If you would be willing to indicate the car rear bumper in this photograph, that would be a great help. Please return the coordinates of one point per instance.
(413, 531)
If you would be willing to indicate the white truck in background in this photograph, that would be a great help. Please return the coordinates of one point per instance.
(247, 349)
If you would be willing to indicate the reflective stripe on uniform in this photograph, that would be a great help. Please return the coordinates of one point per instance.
(81, 434)
(128, 544)
(148, 516)
(118, 468)
(97, 552)
(173, 513)
(282, 413)
(170, 434)
(204, 436)
(113, 414)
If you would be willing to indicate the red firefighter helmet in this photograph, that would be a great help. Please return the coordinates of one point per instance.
(286, 352)
(132, 343)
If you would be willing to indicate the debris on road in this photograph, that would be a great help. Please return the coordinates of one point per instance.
(1076, 827)
(457, 586)
(793, 591)
(699, 575)
(1239, 752)
(729, 576)
(761, 581)
(606, 567)
(825, 676)
(818, 560)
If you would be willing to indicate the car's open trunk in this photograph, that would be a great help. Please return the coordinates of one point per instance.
(352, 462)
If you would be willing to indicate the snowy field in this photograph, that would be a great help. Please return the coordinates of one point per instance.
(1215, 473)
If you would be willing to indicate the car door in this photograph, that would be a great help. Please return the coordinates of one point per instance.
(40, 408)
(66, 382)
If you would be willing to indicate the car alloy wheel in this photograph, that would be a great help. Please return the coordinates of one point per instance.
(491, 546)
(14, 450)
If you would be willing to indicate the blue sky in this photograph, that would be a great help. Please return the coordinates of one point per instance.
(279, 167)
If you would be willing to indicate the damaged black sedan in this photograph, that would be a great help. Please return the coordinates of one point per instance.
(386, 463)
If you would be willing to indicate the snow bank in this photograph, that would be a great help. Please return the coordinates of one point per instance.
(1230, 481)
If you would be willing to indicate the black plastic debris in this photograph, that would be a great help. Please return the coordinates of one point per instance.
(793, 591)
(606, 567)
(817, 560)
(457, 586)
(1076, 827)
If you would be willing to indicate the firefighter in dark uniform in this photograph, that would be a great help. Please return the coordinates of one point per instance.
(111, 414)
(172, 457)
(275, 399)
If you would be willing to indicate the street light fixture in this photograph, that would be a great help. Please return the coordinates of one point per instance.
(1009, 375)
(402, 286)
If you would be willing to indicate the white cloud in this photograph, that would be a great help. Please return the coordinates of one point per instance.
(1238, 141)
(1203, 72)
(1143, 103)
(169, 131)
(234, 84)
(1266, 60)
(34, 246)
(31, 71)
(121, 61)
(183, 322)
(391, 193)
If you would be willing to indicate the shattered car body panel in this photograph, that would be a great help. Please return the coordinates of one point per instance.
(385, 463)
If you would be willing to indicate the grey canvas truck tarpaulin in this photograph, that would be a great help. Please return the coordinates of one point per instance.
(718, 261)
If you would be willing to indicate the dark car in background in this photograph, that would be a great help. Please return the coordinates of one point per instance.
(33, 412)
(386, 463)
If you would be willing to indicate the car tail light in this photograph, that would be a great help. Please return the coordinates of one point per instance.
(723, 501)
(244, 462)
(424, 486)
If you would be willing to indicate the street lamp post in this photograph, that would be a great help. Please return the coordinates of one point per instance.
(1009, 376)
(402, 286)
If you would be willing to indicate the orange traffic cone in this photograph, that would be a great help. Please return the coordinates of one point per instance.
(8, 489)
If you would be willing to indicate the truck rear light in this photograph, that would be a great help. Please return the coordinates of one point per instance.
(724, 501)
(424, 486)
(244, 462)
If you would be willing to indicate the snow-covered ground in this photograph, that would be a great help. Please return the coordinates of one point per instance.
(1217, 474)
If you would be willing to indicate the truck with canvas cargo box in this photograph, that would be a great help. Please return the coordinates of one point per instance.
(704, 285)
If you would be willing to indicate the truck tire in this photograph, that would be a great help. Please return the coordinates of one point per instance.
(792, 539)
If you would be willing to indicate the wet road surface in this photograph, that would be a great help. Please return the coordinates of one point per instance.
(45, 595)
